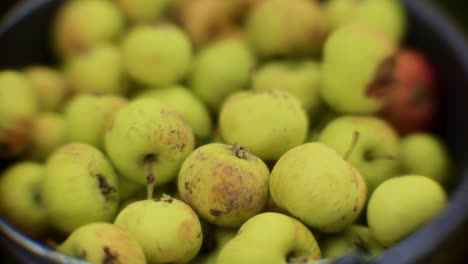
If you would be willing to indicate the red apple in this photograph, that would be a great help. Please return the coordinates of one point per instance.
(412, 102)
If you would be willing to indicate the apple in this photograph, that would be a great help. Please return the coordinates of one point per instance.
(167, 229)
(225, 184)
(79, 187)
(400, 206)
(271, 238)
(316, 185)
(103, 243)
(426, 154)
(18, 105)
(81, 25)
(377, 153)
(413, 102)
(20, 199)
(148, 141)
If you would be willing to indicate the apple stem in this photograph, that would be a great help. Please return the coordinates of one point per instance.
(354, 141)
(150, 178)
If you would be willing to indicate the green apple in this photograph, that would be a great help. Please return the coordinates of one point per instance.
(167, 229)
(225, 184)
(88, 116)
(213, 79)
(18, 105)
(357, 69)
(402, 205)
(103, 243)
(79, 187)
(266, 123)
(270, 238)
(385, 15)
(20, 200)
(355, 239)
(48, 133)
(376, 155)
(316, 185)
(157, 55)
(302, 79)
(187, 104)
(148, 141)
(81, 25)
(49, 85)
(286, 28)
(143, 11)
(98, 71)
(425, 154)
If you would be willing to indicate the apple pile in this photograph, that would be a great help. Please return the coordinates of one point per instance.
(223, 131)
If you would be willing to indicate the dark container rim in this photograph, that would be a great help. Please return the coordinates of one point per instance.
(412, 249)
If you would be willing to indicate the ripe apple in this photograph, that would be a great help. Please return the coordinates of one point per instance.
(413, 102)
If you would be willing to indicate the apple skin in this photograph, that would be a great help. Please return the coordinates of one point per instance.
(18, 105)
(426, 154)
(225, 184)
(266, 123)
(385, 15)
(167, 229)
(82, 128)
(377, 152)
(20, 199)
(302, 79)
(48, 133)
(143, 11)
(98, 71)
(79, 187)
(208, 21)
(286, 28)
(157, 55)
(148, 128)
(316, 185)
(400, 206)
(49, 85)
(81, 25)
(185, 102)
(212, 80)
(357, 69)
(271, 238)
(101, 242)
(413, 102)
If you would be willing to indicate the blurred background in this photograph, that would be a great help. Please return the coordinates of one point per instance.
(455, 10)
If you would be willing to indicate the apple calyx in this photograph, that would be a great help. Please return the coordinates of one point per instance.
(354, 141)
(150, 178)
(383, 80)
(109, 256)
(239, 151)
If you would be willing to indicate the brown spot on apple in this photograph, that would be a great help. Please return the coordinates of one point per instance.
(186, 228)
(109, 256)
